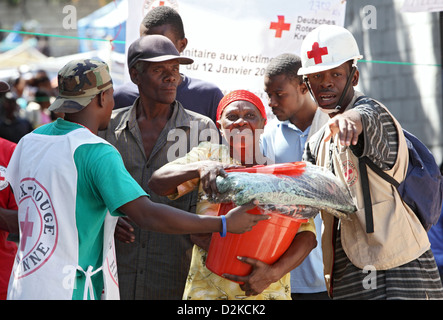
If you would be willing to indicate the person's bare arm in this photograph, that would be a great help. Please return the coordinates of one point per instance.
(165, 180)
(9, 220)
(348, 125)
(158, 217)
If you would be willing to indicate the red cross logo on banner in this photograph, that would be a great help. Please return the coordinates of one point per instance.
(317, 53)
(280, 26)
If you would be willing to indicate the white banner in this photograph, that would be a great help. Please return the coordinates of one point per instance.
(422, 6)
(232, 41)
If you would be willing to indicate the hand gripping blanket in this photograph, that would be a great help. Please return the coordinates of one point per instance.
(300, 195)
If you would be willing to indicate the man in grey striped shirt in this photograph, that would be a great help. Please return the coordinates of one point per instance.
(394, 261)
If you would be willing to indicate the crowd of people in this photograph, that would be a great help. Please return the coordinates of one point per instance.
(25, 106)
(116, 180)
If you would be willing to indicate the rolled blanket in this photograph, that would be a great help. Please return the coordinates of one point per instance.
(301, 196)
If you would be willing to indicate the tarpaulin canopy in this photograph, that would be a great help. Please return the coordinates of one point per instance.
(108, 22)
(25, 53)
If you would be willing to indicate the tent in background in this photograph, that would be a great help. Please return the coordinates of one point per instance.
(13, 61)
(25, 53)
(108, 22)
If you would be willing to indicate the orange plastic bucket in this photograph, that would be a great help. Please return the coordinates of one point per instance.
(267, 241)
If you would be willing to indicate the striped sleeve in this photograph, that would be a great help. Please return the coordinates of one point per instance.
(379, 141)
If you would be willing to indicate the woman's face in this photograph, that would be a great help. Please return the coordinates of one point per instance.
(241, 124)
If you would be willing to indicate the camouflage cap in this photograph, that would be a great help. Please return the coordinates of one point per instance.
(79, 81)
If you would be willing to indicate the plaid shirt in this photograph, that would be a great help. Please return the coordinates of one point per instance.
(155, 265)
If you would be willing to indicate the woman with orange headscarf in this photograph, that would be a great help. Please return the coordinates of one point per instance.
(241, 117)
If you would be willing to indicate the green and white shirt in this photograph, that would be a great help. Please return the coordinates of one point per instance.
(68, 184)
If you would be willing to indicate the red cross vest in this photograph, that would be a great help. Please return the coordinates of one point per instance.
(398, 235)
(43, 176)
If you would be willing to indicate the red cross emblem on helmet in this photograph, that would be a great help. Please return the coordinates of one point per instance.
(317, 53)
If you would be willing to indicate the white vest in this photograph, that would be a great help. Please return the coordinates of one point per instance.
(43, 175)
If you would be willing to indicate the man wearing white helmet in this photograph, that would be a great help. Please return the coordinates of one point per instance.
(390, 258)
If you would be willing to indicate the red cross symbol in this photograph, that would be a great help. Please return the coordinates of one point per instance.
(348, 173)
(280, 26)
(162, 3)
(317, 52)
(26, 227)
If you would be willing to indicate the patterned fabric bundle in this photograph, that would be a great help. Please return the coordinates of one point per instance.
(300, 196)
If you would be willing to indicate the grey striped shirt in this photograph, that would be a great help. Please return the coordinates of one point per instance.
(379, 140)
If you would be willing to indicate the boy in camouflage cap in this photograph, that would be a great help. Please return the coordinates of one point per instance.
(71, 186)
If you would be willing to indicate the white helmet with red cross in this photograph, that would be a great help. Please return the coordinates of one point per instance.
(326, 47)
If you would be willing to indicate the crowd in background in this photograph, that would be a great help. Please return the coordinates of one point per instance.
(25, 107)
